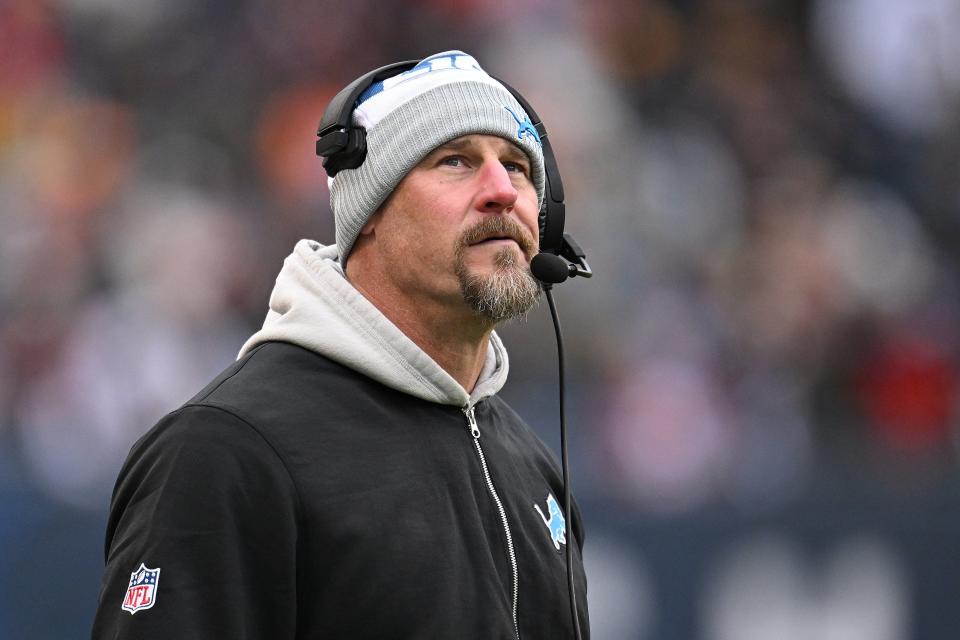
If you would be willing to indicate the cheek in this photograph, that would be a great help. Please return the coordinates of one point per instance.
(530, 216)
(425, 219)
(433, 234)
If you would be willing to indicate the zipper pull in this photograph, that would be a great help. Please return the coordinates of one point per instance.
(472, 422)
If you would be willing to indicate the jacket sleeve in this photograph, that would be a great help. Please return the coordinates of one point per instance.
(207, 507)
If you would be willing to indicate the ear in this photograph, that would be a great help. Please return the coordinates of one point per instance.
(371, 224)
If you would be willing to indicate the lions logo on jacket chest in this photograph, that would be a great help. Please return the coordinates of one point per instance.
(556, 524)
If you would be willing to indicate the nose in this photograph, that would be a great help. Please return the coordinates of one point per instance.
(497, 192)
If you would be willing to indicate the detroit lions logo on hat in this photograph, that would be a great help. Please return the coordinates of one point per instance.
(526, 127)
(556, 524)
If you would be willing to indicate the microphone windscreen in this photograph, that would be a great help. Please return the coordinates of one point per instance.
(549, 268)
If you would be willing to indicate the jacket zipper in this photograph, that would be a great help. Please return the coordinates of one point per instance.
(475, 432)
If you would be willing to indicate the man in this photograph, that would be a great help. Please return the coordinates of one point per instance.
(353, 474)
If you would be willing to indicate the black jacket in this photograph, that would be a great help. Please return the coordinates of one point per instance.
(296, 498)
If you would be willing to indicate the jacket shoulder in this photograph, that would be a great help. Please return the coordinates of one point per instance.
(269, 366)
(198, 487)
(278, 375)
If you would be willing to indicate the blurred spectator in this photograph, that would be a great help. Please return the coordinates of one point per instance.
(897, 59)
(768, 588)
(131, 355)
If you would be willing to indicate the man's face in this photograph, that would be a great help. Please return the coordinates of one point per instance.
(462, 227)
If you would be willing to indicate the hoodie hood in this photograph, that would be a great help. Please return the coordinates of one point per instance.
(315, 307)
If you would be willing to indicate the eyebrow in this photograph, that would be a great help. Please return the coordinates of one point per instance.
(459, 144)
(454, 145)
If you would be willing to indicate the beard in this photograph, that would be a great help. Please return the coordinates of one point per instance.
(511, 290)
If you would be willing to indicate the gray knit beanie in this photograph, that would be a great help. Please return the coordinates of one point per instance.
(407, 116)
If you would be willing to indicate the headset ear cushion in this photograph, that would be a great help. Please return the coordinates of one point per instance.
(351, 156)
(542, 223)
(356, 150)
(551, 226)
(342, 145)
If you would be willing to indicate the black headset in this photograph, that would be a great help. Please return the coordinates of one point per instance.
(344, 146)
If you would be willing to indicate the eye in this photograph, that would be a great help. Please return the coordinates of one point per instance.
(516, 167)
(453, 161)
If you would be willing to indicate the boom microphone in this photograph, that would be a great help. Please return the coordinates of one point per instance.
(549, 268)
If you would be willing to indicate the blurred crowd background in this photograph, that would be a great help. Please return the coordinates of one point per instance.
(763, 374)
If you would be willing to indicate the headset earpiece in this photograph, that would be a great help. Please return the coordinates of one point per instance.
(342, 145)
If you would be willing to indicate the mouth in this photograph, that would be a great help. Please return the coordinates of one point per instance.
(495, 240)
(498, 234)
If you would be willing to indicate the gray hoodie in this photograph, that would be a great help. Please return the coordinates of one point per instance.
(315, 307)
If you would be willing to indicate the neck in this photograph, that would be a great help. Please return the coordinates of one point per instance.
(453, 335)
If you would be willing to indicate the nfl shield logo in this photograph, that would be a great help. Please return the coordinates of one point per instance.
(142, 592)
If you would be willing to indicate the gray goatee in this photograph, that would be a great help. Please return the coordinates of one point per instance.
(511, 290)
